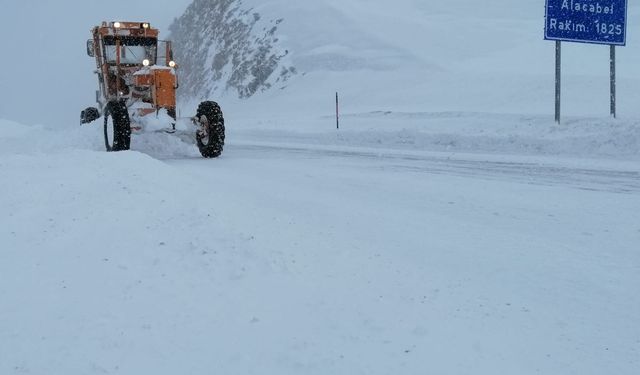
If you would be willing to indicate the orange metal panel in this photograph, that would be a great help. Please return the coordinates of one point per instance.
(164, 93)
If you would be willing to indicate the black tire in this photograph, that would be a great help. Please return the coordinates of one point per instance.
(90, 114)
(117, 127)
(211, 145)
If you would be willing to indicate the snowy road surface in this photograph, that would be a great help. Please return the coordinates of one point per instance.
(297, 259)
(614, 176)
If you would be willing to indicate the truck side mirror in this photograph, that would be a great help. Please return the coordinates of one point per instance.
(90, 48)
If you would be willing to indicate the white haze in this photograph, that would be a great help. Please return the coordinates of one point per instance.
(45, 74)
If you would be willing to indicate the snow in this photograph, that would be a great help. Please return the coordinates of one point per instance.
(454, 132)
(449, 227)
(452, 57)
(147, 70)
(296, 258)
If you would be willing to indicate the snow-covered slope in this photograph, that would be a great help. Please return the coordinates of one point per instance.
(450, 76)
(417, 56)
(226, 48)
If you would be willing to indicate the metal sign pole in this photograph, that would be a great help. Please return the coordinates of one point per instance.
(595, 23)
(337, 112)
(558, 78)
(613, 80)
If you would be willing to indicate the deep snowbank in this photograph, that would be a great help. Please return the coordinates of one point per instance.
(17, 138)
(104, 254)
(454, 132)
(283, 262)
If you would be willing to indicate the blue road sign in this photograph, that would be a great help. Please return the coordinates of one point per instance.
(587, 21)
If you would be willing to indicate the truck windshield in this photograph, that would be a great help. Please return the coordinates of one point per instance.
(132, 50)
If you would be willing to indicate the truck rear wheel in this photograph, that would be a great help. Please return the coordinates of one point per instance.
(117, 127)
(210, 138)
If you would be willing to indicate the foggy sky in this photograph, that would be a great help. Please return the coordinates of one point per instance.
(46, 76)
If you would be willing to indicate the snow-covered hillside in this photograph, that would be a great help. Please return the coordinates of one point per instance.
(433, 56)
(226, 48)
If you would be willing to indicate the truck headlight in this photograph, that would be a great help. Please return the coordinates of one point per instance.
(172, 64)
(117, 25)
(146, 62)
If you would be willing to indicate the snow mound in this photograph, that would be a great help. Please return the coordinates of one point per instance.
(20, 139)
(100, 251)
(454, 132)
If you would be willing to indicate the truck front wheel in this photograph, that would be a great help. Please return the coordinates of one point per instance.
(210, 137)
(117, 127)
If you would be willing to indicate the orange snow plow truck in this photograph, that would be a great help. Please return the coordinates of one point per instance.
(137, 83)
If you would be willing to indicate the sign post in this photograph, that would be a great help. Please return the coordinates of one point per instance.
(587, 21)
(612, 75)
(558, 78)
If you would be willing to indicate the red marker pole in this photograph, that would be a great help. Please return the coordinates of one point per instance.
(337, 112)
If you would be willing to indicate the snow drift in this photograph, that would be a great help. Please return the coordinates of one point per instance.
(311, 260)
